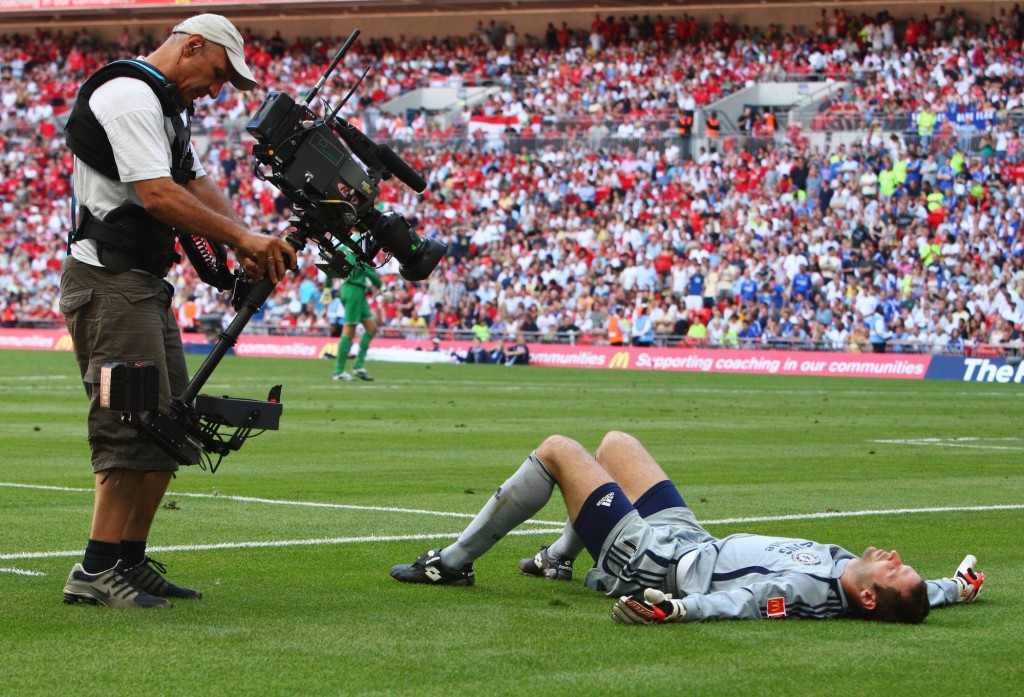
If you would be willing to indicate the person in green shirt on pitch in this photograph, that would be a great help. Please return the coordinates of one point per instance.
(357, 311)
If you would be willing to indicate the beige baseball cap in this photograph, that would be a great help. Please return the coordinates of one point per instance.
(221, 31)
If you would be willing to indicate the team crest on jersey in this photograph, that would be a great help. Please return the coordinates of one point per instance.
(808, 558)
(776, 607)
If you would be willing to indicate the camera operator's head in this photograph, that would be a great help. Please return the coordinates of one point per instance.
(203, 53)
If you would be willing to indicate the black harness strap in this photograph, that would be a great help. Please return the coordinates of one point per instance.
(129, 237)
(86, 138)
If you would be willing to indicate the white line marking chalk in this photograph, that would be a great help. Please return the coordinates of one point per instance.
(21, 572)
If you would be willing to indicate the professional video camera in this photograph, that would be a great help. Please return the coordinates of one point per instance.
(330, 171)
(328, 187)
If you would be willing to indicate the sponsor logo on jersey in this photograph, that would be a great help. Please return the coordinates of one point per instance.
(606, 500)
(808, 558)
(788, 546)
(776, 607)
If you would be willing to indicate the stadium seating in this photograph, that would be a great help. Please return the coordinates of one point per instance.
(568, 190)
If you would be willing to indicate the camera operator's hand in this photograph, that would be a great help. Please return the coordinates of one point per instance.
(262, 255)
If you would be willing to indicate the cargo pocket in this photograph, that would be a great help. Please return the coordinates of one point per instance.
(135, 295)
(69, 302)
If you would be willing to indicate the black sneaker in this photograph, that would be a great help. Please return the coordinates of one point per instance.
(148, 576)
(429, 569)
(543, 565)
(111, 588)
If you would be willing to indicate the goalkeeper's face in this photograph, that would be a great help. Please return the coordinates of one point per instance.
(882, 569)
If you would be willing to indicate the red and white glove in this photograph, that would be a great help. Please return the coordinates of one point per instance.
(655, 607)
(968, 581)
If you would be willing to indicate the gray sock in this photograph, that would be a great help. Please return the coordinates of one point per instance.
(515, 501)
(568, 546)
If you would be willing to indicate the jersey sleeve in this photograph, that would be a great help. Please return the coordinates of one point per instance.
(788, 595)
(942, 592)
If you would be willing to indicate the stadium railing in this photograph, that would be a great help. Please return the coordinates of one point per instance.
(210, 325)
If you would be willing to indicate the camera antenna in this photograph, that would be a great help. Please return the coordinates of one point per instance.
(330, 118)
(330, 69)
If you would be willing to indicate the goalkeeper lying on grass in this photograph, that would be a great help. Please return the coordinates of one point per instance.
(663, 566)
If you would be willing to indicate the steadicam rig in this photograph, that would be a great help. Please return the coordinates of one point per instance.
(330, 171)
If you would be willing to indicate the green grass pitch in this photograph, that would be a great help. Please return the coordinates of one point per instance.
(291, 540)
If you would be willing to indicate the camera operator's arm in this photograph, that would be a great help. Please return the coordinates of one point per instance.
(207, 191)
(198, 212)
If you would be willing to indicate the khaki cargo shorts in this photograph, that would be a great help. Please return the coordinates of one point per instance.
(114, 318)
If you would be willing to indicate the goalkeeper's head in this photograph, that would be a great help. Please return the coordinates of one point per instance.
(909, 607)
(879, 586)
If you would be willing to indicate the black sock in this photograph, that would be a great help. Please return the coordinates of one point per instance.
(100, 556)
(133, 553)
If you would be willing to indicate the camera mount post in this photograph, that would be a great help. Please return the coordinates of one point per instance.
(246, 308)
(249, 306)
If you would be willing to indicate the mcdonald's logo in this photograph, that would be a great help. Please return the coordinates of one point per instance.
(328, 350)
(64, 343)
(619, 360)
(776, 607)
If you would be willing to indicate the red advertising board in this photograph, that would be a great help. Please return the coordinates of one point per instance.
(908, 366)
(900, 366)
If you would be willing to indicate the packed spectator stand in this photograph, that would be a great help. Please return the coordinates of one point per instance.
(589, 216)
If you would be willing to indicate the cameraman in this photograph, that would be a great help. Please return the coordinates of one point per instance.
(133, 200)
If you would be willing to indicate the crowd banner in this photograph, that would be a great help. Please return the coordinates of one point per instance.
(492, 125)
(901, 366)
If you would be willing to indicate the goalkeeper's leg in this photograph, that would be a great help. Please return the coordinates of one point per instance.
(629, 464)
(642, 479)
(557, 460)
(555, 560)
(344, 346)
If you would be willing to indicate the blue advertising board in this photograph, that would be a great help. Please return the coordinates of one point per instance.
(973, 369)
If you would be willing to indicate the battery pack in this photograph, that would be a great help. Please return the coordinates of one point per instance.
(130, 387)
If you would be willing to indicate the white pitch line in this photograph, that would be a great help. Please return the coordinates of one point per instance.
(280, 543)
(551, 531)
(22, 572)
(953, 443)
(857, 514)
(282, 502)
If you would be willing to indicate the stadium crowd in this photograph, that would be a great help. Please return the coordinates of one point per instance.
(590, 217)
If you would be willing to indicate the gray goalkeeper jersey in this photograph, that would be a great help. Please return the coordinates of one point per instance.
(753, 576)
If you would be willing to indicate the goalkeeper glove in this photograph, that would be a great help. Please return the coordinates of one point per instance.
(654, 608)
(968, 581)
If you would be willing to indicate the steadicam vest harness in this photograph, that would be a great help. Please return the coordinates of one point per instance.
(130, 237)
